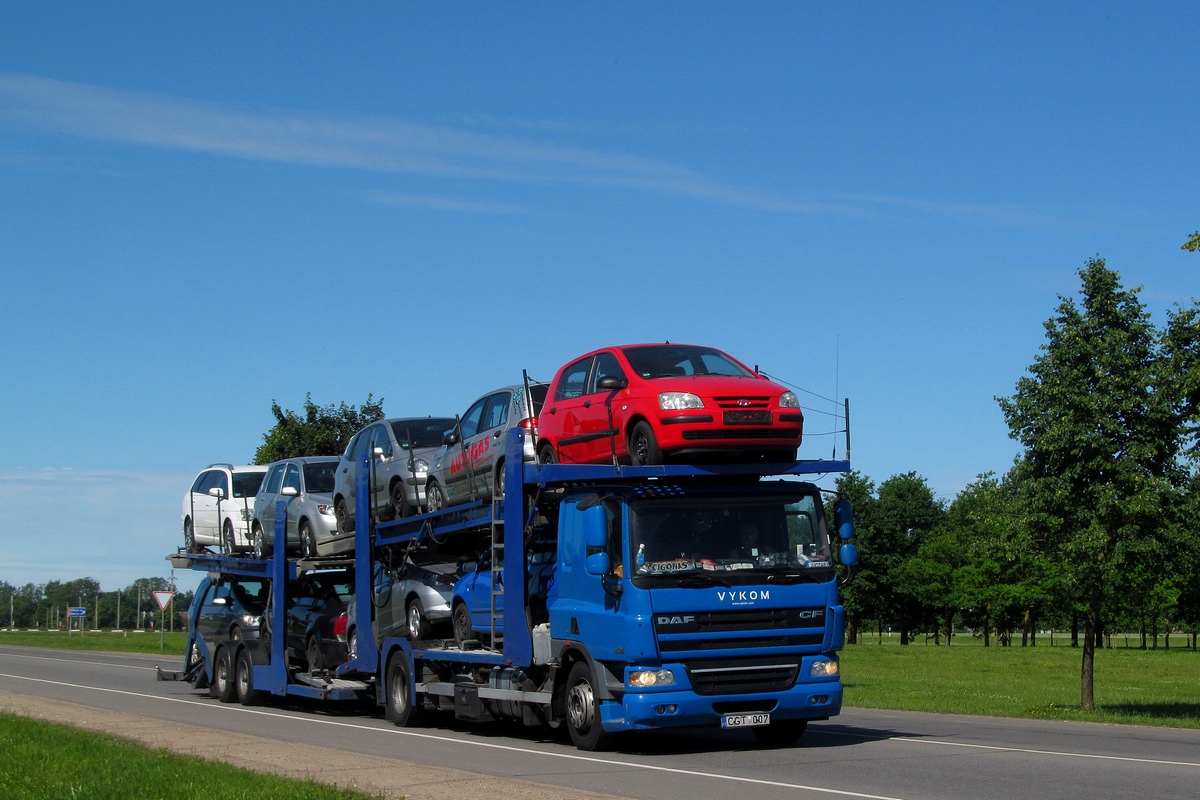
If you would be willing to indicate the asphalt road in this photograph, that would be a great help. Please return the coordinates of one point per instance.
(862, 753)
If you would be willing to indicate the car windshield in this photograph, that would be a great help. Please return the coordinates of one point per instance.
(245, 484)
(677, 361)
(425, 432)
(724, 538)
(318, 476)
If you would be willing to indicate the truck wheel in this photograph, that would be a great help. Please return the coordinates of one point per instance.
(435, 500)
(247, 695)
(400, 505)
(261, 550)
(583, 710)
(228, 539)
(462, 625)
(189, 537)
(400, 708)
(222, 683)
(308, 542)
(418, 626)
(780, 733)
(643, 446)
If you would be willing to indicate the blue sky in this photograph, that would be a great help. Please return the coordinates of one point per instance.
(206, 208)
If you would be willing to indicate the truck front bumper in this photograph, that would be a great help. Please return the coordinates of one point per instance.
(815, 700)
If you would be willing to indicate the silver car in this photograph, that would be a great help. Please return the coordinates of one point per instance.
(415, 598)
(306, 485)
(400, 449)
(470, 464)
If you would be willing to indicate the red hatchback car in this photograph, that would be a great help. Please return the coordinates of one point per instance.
(652, 402)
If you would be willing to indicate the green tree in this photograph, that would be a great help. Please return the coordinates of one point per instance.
(1193, 242)
(322, 431)
(906, 512)
(1100, 437)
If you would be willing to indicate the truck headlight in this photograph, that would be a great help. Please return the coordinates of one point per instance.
(789, 400)
(676, 401)
(824, 669)
(651, 677)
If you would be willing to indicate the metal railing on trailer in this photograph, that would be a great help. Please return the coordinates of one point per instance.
(513, 516)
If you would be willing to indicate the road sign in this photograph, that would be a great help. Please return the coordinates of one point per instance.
(163, 599)
(73, 611)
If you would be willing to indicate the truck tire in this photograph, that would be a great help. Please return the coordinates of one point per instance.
(643, 446)
(780, 733)
(400, 505)
(247, 695)
(222, 686)
(399, 707)
(583, 710)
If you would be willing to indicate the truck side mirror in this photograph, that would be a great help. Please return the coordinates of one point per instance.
(597, 564)
(289, 491)
(848, 555)
(595, 526)
(843, 516)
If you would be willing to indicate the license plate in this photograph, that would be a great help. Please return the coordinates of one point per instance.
(747, 417)
(744, 720)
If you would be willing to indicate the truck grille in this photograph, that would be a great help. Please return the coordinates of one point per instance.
(742, 676)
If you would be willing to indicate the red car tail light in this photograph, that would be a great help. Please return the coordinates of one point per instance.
(340, 624)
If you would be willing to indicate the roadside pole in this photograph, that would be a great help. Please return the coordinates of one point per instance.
(163, 599)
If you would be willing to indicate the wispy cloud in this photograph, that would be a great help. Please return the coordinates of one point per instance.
(444, 203)
(367, 143)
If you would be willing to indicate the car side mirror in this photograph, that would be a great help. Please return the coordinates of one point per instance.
(450, 438)
(216, 492)
(377, 452)
(611, 383)
(289, 491)
(220, 601)
(469, 566)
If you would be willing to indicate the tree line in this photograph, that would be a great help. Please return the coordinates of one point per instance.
(43, 605)
(1093, 529)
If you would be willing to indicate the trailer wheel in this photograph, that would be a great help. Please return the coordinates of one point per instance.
(244, 673)
(418, 625)
(583, 710)
(400, 708)
(222, 686)
(400, 505)
(643, 446)
(781, 733)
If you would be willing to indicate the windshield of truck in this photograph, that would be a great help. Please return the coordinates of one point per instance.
(676, 360)
(425, 432)
(728, 540)
(318, 476)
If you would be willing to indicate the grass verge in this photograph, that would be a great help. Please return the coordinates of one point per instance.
(1140, 687)
(173, 644)
(48, 761)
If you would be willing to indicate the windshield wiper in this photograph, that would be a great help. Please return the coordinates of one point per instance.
(702, 582)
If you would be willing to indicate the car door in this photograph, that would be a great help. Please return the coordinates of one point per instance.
(460, 479)
(361, 446)
(490, 441)
(204, 508)
(597, 440)
(565, 409)
(264, 503)
(291, 478)
(381, 439)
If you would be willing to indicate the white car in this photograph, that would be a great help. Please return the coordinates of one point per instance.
(218, 508)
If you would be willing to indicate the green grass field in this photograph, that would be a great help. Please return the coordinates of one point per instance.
(172, 643)
(48, 761)
(1140, 687)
